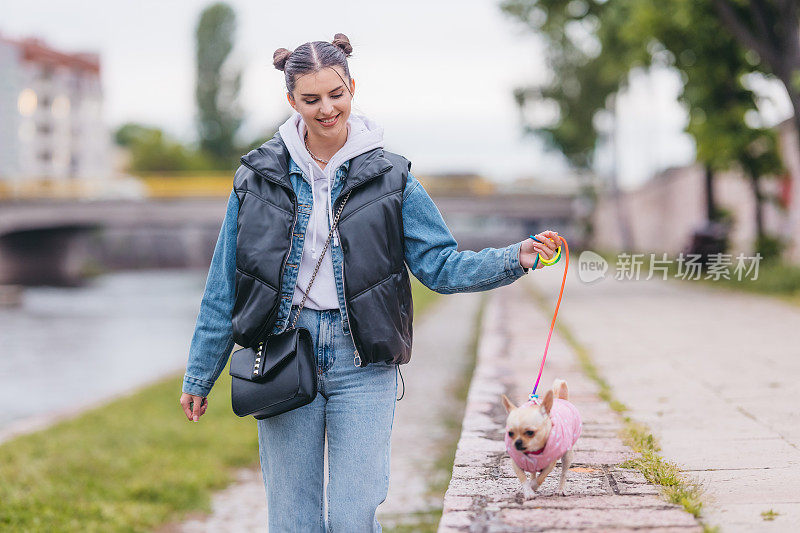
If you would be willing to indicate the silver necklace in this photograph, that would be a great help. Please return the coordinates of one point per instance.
(315, 158)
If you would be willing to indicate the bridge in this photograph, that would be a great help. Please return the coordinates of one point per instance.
(61, 241)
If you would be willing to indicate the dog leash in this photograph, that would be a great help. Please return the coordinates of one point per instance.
(555, 259)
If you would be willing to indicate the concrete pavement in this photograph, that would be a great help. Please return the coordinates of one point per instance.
(485, 495)
(714, 374)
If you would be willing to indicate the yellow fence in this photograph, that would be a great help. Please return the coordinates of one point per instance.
(180, 185)
(155, 185)
(190, 185)
(50, 189)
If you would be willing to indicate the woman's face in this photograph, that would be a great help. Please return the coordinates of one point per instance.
(322, 96)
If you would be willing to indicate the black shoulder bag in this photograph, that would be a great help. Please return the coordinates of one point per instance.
(280, 373)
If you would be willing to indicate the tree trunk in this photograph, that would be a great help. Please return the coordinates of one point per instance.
(791, 236)
(711, 210)
(790, 232)
(779, 48)
(759, 211)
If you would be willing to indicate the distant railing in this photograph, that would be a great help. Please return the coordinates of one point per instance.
(144, 185)
(186, 184)
(30, 189)
(215, 184)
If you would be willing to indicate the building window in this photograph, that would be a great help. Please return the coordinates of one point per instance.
(60, 107)
(27, 102)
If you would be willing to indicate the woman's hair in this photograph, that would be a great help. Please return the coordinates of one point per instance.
(311, 57)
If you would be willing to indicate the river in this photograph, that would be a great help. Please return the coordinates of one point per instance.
(64, 349)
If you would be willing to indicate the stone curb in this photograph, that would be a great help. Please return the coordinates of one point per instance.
(485, 495)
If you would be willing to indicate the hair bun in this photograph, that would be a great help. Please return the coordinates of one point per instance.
(341, 40)
(280, 57)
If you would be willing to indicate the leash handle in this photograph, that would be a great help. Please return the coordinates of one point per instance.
(533, 394)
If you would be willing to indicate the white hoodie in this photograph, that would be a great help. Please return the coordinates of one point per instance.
(363, 135)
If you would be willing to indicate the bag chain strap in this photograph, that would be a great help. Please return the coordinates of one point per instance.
(324, 249)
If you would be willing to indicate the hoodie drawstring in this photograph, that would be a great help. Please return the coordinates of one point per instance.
(312, 223)
(330, 209)
(363, 135)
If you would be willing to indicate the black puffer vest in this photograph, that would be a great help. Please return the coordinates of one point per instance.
(376, 282)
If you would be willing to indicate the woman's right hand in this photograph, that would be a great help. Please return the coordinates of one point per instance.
(547, 246)
(193, 406)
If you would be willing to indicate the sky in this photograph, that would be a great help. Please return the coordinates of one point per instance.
(438, 75)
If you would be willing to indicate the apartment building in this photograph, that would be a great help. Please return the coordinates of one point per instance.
(51, 114)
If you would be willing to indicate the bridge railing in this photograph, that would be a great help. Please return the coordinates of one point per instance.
(187, 184)
(144, 185)
(154, 185)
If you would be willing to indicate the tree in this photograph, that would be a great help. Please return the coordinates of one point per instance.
(771, 29)
(589, 64)
(153, 151)
(716, 69)
(218, 85)
(594, 45)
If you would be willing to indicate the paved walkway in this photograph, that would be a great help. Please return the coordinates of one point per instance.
(716, 376)
(485, 495)
(442, 338)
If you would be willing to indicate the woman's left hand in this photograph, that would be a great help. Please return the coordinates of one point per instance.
(530, 248)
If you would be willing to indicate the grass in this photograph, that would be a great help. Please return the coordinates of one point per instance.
(676, 487)
(428, 521)
(126, 466)
(132, 464)
(769, 515)
(416, 522)
(423, 297)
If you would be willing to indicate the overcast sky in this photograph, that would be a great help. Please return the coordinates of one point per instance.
(438, 75)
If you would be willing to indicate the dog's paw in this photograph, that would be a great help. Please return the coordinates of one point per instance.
(561, 492)
(529, 489)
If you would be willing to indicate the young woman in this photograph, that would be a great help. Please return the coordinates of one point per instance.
(359, 309)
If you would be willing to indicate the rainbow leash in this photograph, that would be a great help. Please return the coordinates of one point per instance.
(533, 394)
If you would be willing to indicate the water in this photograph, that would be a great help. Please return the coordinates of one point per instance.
(68, 348)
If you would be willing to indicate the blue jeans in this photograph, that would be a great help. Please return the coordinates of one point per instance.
(355, 406)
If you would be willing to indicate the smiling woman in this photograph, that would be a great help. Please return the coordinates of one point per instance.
(325, 96)
(359, 312)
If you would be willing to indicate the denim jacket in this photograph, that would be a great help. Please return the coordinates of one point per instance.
(430, 252)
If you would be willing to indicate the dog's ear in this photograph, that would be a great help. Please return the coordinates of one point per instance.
(508, 404)
(560, 389)
(547, 403)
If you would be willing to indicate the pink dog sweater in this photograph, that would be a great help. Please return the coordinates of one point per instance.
(565, 432)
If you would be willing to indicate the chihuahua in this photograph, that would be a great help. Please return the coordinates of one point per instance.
(538, 434)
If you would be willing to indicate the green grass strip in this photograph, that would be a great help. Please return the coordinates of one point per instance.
(423, 297)
(676, 487)
(131, 464)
